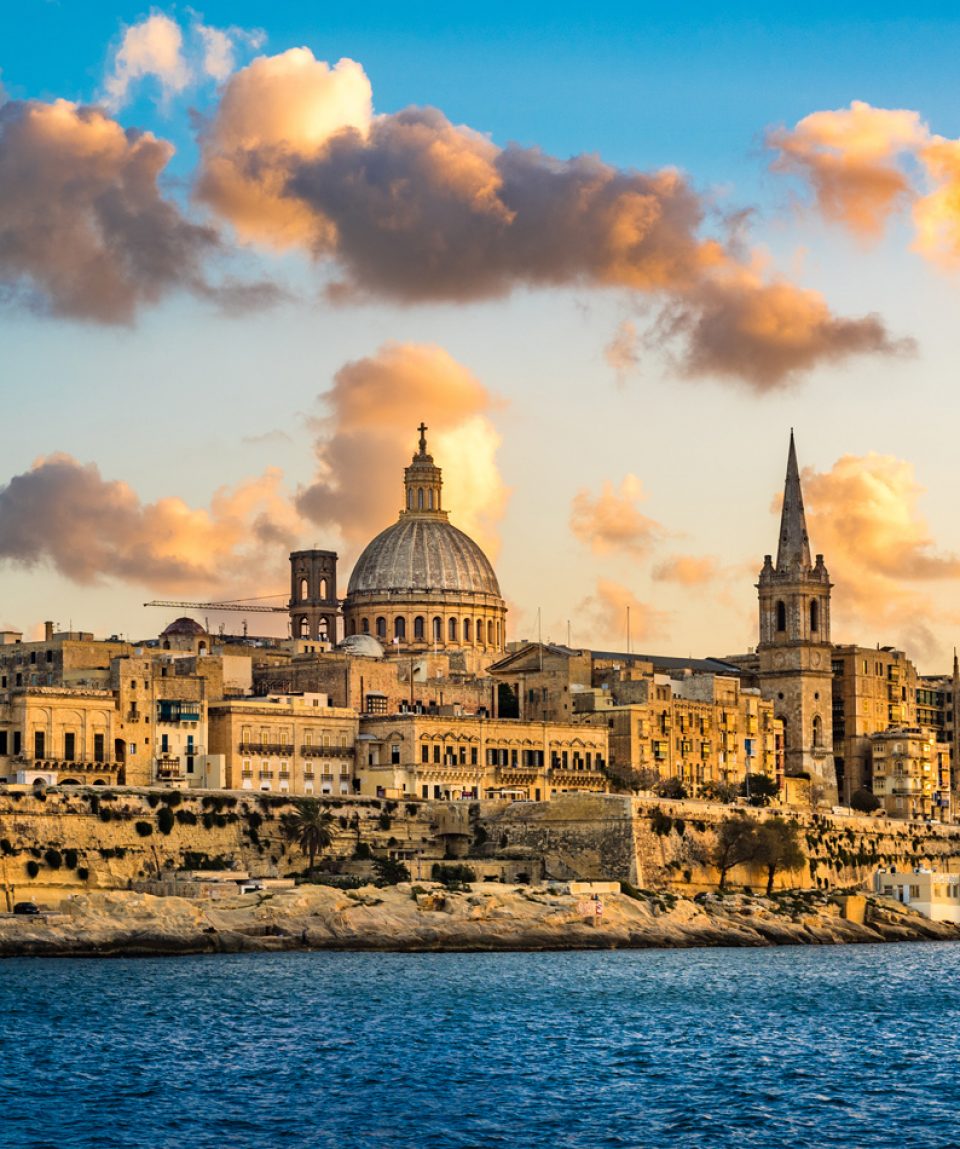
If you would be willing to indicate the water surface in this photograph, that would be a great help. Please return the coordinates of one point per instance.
(853, 1046)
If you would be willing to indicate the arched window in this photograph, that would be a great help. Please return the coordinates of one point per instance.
(438, 630)
(323, 632)
(352, 626)
(480, 630)
(364, 625)
(498, 633)
(381, 627)
(420, 498)
(400, 627)
(323, 588)
(781, 616)
(466, 630)
(489, 632)
(452, 630)
(304, 627)
(410, 499)
(814, 615)
(304, 590)
(817, 730)
(418, 627)
(430, 498)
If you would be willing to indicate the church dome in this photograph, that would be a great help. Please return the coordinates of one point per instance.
(423, 553)
(185, 627)
(364, 645)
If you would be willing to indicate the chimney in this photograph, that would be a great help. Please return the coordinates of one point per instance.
(47, 631)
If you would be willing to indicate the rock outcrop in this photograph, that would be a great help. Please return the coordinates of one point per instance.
(482, 917)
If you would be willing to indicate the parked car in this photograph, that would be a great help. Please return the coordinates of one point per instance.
(26, 908)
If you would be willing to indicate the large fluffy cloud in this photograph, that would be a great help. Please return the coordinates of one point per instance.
(615, 614)
(612, 520)
(864, 515)
(412, 207)
(89, 528)
(361, 449)
(82, 220)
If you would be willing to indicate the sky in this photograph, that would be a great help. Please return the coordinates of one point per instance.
(610, 258)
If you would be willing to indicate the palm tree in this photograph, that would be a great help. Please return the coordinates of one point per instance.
(309, 827)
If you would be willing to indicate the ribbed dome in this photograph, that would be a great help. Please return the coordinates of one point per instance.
(184, 626)
(423, 553)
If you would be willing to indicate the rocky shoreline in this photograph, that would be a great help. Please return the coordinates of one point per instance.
(428, 918)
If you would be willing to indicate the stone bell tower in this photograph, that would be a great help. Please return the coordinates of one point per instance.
(313, 602)
(796, 671)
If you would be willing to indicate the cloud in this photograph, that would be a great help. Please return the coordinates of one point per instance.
(767, 335)
(611, 521)
(687, 570)
(411, 207)
(156, 47)
(361, 449)
(84, 230)
(90, 529)
(850, 158)
(864, 516)
(866, 164)
(606, 613)
(622, 353)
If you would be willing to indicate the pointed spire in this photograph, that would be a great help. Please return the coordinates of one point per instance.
(794, 547)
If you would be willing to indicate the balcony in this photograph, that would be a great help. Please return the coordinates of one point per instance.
(280, 749)
(327, 751)
(169, 770)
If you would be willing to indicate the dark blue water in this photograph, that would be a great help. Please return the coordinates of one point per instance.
(854, 1046)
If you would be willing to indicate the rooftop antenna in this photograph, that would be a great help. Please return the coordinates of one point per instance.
(628, 630)
(540, 637)
(568, 634)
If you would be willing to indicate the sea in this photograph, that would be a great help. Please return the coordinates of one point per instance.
(836, 1046)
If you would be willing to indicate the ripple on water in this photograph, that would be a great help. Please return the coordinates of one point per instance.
(718, 1048)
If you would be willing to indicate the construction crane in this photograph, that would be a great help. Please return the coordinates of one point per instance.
(233, 605)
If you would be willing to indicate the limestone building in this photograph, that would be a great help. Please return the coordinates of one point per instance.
(426, 756)
(422, 584)
(794, 653)
(911, 773)
(313, 595)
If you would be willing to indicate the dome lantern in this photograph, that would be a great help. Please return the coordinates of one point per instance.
(422, 482)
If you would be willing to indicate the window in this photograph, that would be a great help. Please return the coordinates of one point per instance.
(430, 498)
(814, 616)
(304, 590)
(818, 731)
(424, 753)
(70, 746)
(466, 630)
(438, 630)
(98, 748)
(3, 743)
(394, 754)
(304, 628)
(39, 744)
(16, 742)
(364, 625)
(418, 627)
(452, 630)
(400, 627)
(781, 616)
(479, 630)
(420, 498)
(323, 588)
(410, 499)
(381, 627)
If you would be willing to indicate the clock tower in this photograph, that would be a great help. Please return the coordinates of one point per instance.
(796, 671)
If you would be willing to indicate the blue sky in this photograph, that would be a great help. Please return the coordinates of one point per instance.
(173, 404)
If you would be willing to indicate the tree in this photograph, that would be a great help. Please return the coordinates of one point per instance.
(865, 801)
(671, 788)
(759, 788)
(390, 872)
(778, 848)
(736, 843)
(718, 792)
(632, 780)
(309, 827)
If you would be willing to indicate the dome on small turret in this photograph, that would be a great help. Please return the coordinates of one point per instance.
(184, 628)
(364, 645)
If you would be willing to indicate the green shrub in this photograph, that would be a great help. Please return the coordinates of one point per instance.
(153, 800)
(33, 868)
(6, 848)
(207, 820)
(661, 823)
(144, 829)
(165, 820)
(173, 798)
(105, 815)
(70, 859)
(385, 821)
(53, 859)
(361, 851)
(82, 873)
(412, 809)
(254, 820)
(680, 826)
(453, 876)
(186, 817)
(389, 872)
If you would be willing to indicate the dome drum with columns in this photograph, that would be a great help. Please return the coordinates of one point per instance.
(422, 584)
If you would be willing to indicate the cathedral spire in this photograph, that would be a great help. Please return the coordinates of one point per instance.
(793, 551)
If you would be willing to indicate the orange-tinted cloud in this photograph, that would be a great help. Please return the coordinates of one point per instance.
(687, 570)
(606, 614)
(612, 521)
(864, 164)
(852, 159)
(864, 516)
(91, 529)
(412, 207)
(622, 353)
(369, 435)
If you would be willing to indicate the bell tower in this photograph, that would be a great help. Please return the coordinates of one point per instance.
(795, 652)
(313, 602)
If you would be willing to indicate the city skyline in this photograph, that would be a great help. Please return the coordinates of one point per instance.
(220, 336)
